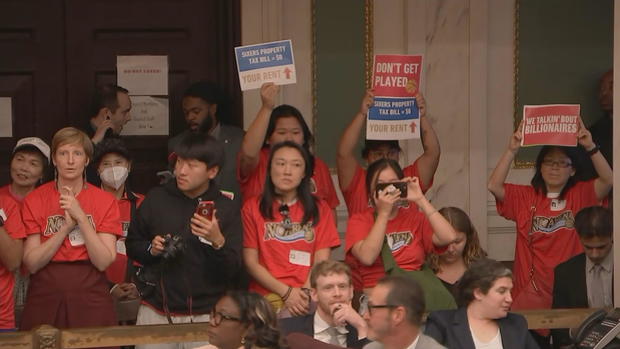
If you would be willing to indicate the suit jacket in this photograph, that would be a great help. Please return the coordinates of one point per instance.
(425, 342)
(305, 324)
(451, 328)
(569, 291)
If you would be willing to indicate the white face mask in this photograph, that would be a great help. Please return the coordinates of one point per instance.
(114, 176)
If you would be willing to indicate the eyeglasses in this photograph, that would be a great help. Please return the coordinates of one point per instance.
(559, 163)
(380, 306)
(217, 317)
(287, 224)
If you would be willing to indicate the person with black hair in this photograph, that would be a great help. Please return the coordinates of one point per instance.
(113, 163)
(109, 111)
(207, 110)
(407, 227)
(189, 256)
(287, 230)
(585, 281)
(483, 319)
(243, 320)
(544, 212)
(273, 125)
(27, 168)
(351, 175)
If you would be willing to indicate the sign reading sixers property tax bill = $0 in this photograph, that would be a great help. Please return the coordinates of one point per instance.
(268, 62)
(395, 113)
(552, 124)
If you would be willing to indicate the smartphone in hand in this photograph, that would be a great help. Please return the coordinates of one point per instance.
(205, 209)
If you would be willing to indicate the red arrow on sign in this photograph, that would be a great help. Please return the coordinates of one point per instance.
(413, 126)
(287, 72)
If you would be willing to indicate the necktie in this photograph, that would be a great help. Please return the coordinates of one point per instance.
(596, 287)
(333, 336)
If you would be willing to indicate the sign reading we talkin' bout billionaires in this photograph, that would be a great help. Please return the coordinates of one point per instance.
(395, 113)
(552, 124)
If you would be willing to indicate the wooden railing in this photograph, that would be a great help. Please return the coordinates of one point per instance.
(48, 337)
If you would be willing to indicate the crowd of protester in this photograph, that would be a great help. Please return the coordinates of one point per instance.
(240, 236)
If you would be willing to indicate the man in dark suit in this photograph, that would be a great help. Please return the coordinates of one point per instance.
(334, 321)
(585, 281)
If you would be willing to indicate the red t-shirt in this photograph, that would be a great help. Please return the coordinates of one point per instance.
(288, 256)
(355, 195)
(42, 215)
(321, 181)
(554, 238)
(117, 271)
(6, 192)
(409, 236)
(15, 229)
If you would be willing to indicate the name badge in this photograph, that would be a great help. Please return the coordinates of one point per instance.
(120, 247)
(558, 205)
(299, 258)
(75, 237)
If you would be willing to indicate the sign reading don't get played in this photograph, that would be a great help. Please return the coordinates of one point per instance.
(268, 62)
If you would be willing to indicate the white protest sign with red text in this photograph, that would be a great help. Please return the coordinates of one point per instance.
(552, 124)
(395, 113)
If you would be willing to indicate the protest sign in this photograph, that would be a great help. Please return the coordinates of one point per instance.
(143, 75)
(268, 62)
(552, 124)
(395, 113)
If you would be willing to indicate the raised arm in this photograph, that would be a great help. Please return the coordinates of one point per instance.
(368, 249)
(346, 162)
(429, 160)
(443, 232)
(255, 136)
(605, 180)
(499, 174)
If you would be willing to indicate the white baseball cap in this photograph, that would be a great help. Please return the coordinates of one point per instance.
(33, 142)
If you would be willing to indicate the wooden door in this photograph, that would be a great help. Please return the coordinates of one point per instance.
(55, 52)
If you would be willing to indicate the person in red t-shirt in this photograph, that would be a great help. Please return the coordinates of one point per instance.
(11, 248)
(286, 231)
(71, 228)
(545, 211)
(351, 175)
(28, 168)
(271, 126)
(113, 163)
(410, 233)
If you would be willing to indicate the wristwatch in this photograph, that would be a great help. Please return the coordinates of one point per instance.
(594, 150)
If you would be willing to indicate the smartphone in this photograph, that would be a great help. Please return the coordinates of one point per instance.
(205, 209)
(391, 186)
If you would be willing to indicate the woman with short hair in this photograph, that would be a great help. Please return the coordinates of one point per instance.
(483, 319)
(72, 228)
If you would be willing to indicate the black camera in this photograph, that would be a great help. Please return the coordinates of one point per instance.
(173, 245)
(392, 187)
